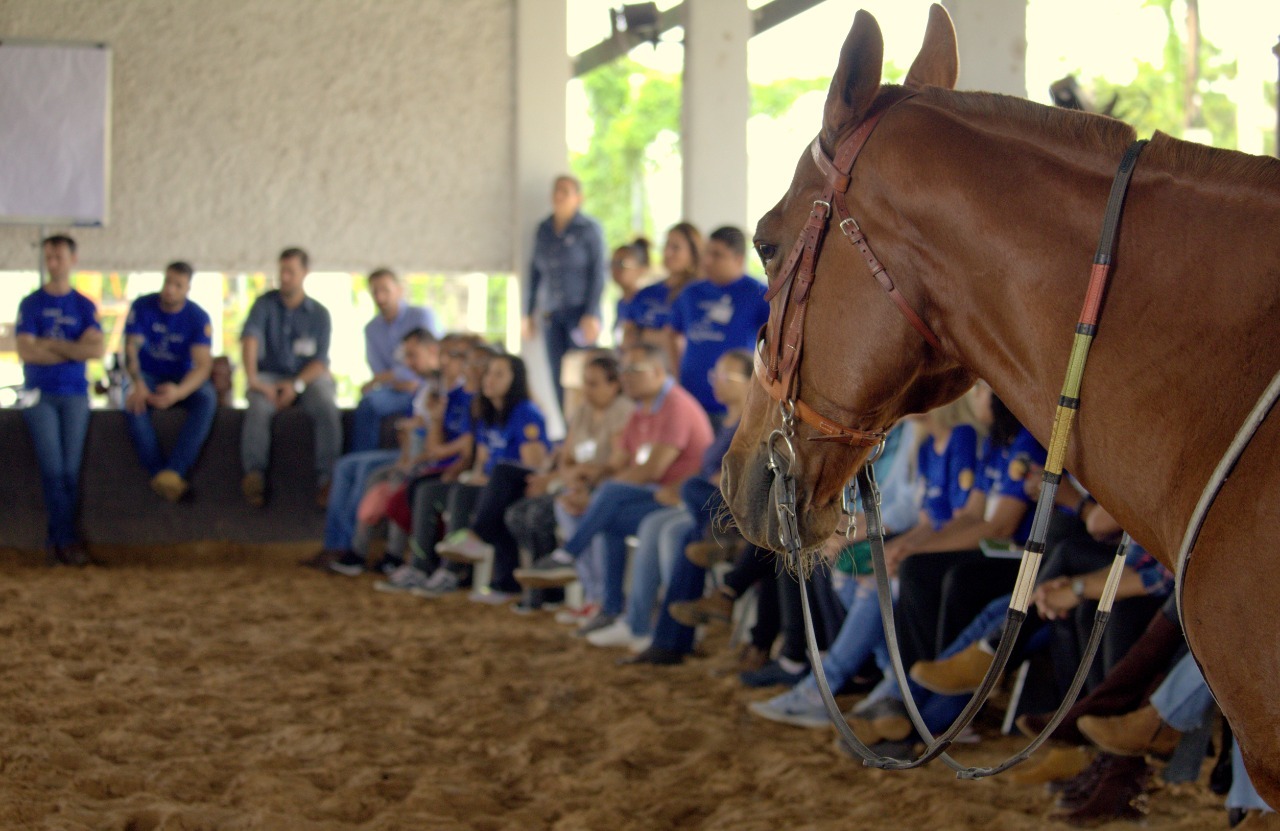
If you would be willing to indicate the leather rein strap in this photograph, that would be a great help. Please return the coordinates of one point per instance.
(778, 370)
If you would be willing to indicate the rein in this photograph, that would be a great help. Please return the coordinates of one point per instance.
(779, 378)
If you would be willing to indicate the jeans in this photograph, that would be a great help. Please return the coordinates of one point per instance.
(201, 406)
(506, 486)
(1183, 700)
(557, 329)
(376, 404)
(662, 535)
(347, 487)
(590, 565)
(316, 401)
(615, 512)
(58, 426)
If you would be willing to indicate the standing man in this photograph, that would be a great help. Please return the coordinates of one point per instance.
(58, 331)
(285, 351)
(168, 359)
(390, 391)
(566, 277)
(712, 316)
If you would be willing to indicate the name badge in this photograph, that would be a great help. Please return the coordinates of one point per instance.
(584, 451)
(304, 347)
(642, 453)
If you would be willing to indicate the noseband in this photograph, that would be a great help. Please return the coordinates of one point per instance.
(777, 355)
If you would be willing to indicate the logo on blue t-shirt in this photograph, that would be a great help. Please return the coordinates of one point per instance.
(56, 317)
(713, 320)
(167, 337)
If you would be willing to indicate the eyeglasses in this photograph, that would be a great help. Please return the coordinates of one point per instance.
(714, 376)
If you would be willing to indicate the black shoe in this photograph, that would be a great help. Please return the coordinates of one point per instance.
(656, 656)
(350, 564)
(388, 564)
(772, 675)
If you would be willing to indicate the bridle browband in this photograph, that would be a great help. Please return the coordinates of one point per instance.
(778, 371)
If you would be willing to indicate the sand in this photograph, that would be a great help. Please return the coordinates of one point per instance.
(271, 697)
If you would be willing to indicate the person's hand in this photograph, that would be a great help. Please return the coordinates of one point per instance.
(590, 326)
(478, 479)
(528, 328)
(575, 499)
(164, 397)
(435, 406)
(1054, 598)
(895, 551)
(267, 391)
(404, 425)
(371, 384)
(136, 401)
(285, 395)
(538, 484)
(668, 495)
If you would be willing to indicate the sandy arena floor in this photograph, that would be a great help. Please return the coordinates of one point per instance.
(257, 697)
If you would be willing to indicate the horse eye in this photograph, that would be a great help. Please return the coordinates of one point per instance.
(766, 252)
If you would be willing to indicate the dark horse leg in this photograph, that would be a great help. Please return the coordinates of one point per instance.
(1230, 608)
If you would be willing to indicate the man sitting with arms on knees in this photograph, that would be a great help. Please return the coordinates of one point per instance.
(661, 446)
(285, 348)
(57, 331)
(390, 391)
(168, 360)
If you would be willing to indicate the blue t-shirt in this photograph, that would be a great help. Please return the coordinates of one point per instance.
(64, 317)
(525, 424)
(948, 476)
(715, 319)
(457, 418)
(1005, 469)
(649, 309)
(167, 337)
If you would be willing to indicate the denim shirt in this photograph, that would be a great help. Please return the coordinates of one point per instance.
(568, 267)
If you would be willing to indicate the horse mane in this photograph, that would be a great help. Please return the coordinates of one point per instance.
(1105, 134)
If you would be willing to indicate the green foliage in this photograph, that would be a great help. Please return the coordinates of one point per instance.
(1154, 100)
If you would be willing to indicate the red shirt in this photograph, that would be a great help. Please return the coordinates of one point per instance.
(677, 420)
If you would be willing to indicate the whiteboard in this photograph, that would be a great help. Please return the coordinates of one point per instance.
(55, 132)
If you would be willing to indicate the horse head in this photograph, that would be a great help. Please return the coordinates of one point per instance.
(836, 348)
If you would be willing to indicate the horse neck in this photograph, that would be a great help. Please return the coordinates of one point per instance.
(1009, 271)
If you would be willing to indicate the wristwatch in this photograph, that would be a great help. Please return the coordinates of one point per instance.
(1077, 587)
(299, 386)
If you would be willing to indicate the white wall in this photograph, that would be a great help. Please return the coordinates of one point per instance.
(368, 131)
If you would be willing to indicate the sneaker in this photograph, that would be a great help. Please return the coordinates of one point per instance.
(578, 616)
(404, 579)
(388, 564)
(600, 621)
(490, 597)
(463, 546)
(168, 485)
(772, 675)
(441, 582)
(349, 564)
(617, 633)
(716, 606)
(962, 673)
(254, 488)
(654, 656)
(800, 706)
(549, 572)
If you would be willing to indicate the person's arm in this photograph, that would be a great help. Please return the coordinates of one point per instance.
(39, 351)
(531, 287)
(1056, 598)
(661, 457)
(533, 454)
(598, 269)
(136, 401)
(382, 369)
(88, 347)
(166, 395)
(249, 346)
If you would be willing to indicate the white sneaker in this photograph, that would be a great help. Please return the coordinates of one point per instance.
(463, 546)
(617, 633)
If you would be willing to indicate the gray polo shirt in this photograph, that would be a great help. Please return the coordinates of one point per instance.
(288, 339)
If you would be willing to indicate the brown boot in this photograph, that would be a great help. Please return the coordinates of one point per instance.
(168, 485)
(1056, 765)
(254, 488)
(961, 673)
(715, 606)
(708, 553)
(1135, 734)
(1114, 796)
(751, 658)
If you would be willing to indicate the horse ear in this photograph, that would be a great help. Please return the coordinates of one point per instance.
(857, 78)
(938, 64)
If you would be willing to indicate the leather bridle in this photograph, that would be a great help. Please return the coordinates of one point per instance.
(778, 370)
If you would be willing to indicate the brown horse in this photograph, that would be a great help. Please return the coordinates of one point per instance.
(986, 210)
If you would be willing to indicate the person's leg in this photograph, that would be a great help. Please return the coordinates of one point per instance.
(672, 540)
(853, 645)
(615, 507)
(556, 334)
(318, 400)
(350, 477)
(646, 569)
(201, 407)
(374, 406)
(703, 501)
(255, 433)
(143, 433)
(1183, 700)
(428, 500)
(966, 589)
(920, 579)
(45, 428)
(1129, 619)
(1242, 794)
(74, 412)
(754, 565)
(504, 489)
(686, 584)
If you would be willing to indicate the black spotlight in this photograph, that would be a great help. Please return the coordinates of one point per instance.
(635, 22)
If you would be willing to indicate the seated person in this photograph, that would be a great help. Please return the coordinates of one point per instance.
(355, 472)
(167, 357)
(647, 318)
(391, 389)
(662, 445)
(628, 267)
(511, 441)
(285, 348)
(662, 534)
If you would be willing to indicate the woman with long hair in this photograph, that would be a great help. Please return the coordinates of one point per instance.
(650, 311)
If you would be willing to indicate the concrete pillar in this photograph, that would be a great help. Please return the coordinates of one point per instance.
(993, 44)
(542, 71)
(717, 104)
